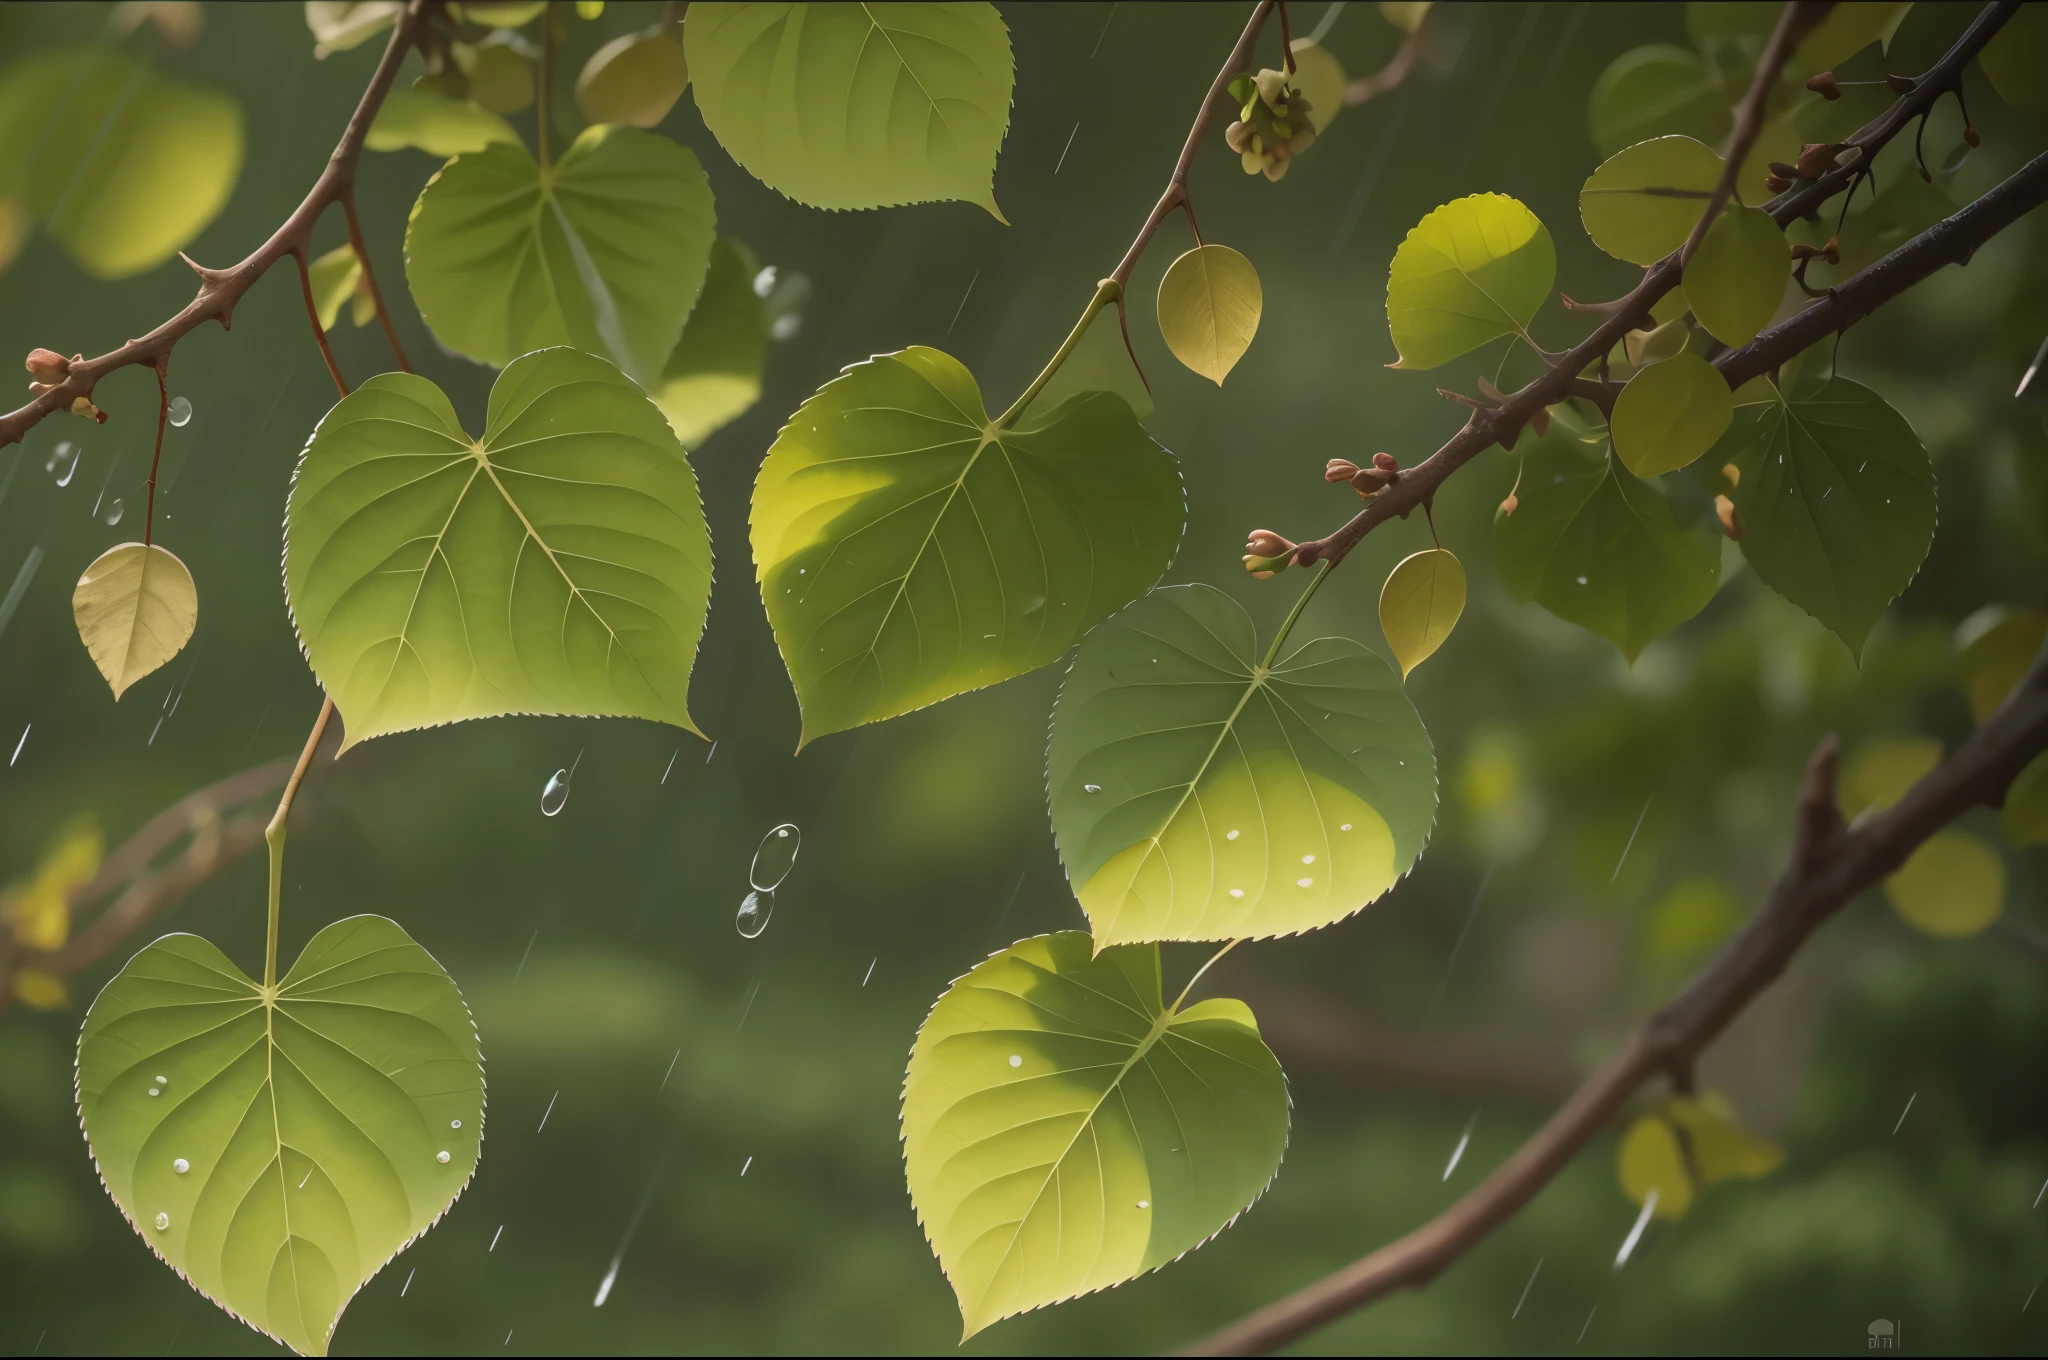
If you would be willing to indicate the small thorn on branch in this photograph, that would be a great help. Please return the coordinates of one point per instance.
(1572, 304)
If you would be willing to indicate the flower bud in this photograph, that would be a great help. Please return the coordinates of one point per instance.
(1817, 158)
(1539, 421)
(1276, 169)
(1263, 568)
(1970, 136)
(47, 366)
(1927, 174)
(1340, 470)
(1252, 161)
(1507, 507)
(1777, 184)
(1238, 136)
(82, 406)
(1385, 462)
(1266, 543)
(1824, 85)
(1369, 482)
(1832, 251)
(1782, 170)
(1272, 87)
(1805, 252)
(1731, 521)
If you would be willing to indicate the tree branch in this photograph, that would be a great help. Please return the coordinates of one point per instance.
(1830, 864)
(1390, 77)
(1946, 242)
(220, 289)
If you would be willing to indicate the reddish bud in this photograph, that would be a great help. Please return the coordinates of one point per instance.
(1369, 482)
(1927, 174)
(47, 366)
(1816, 159)
(1970, 136)
(1540, 421)
(1731, 522)
(1340, 470)
(1385, 462)
(1832, 251)
(1824, 85)
(1266, 543)
(1777, 184)
(1804, 252)
(1783, 170)
(1507, 507)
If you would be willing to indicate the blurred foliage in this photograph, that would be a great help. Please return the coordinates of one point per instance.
(744, 1091)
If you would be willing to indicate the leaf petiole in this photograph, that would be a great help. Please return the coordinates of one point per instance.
(273, 836)
(1106, 292)
(1315, 583)
(1174, 1009)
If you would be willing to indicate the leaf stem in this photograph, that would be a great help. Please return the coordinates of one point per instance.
(355, 239)
(1287, 626)
(163, 416)
(1106, 292)
(273, 836)
(313, 316)
(1213, 958)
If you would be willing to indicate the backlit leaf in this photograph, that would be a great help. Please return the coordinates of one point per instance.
(1671, 413)
(559, 564)
(1643, 202)
(335, 276)
(1656, 91)
(714, 374)
(1994, 647)
(1721, 1148)
(1952, 886)
(1063, 1131)
(1595, 544)
(500, 80)
(1843, 31)
(1198, 794)
(125, 165)
(634, 79)
(277, 1152)
(135, 608)
(1836, 496)
(1420, 605)
(436, 124)
(605, 250)
(1652, 1159)
(1739, 274)
(1320, 78)
(338, 25)
(1472, 271)
(1209, 305)
(908, 550)
(1406, 15)
(856, 106)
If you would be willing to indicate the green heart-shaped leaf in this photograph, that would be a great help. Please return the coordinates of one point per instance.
(1643, 201)
(1063, 1131)
(278, 1148)
(856, 106)
(714, 374)
(604, 250)
(1600, 547)
(1670, 413)
(1200, 794)
(910, 550)
(559, 564)
(1420, 604)
(1739, 274)
(1651, 91)
(1836, 496)
(1472, 271)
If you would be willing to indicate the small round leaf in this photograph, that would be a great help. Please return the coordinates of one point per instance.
(1643, 202)
(1654, 91)
(135, 608)
(1671, 413)
(1209, 305)
(1651, 1158)
(634, 79)
(278, 1150)
(1320, 78)
(1420, 605)
(1952, 886)
(1472, 271)
(436, 124)
(1739, 274)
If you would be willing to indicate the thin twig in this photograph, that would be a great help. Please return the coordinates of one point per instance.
(313, 315)
(1795, 21)
(163, 417)
(355, 239)
(221, 289)
(1829, 865)
(1390, 77)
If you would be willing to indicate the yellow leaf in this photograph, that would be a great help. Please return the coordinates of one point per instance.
(1406, 15)
(335, 277)
(1721, 1148)
(1320, 78)
(1651, 1159)
(135, 608)
(1952, 886)
(635, 79)
(1209, 305)
(41, 990)
(1880, 770)
(1420, 605)
(37, 909)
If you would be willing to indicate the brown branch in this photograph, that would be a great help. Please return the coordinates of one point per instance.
(1830, 864)
(1390, 77)
(1944, 243)
(220, 289)
(216, 841)
(1795, 21)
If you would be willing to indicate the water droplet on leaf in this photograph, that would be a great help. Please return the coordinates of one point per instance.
(1308, 859)
(441, 1157)
(1091, 788)
(1237, 892)
(154, 1091)
(163, 1222)
(1230, 835)
(555, 794)
(755, 909)
(181, 1166)
(1304, 883)
(181, 412)
(455, 1123)
(1016, 1060)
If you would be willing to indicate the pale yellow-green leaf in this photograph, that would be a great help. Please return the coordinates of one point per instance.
(1880, 770)
(1670, 413)
(1406, 15)
(1994, 647)
(436, 124)
(500, 79)
(1843, 31)
(633, 79)
(36, 909)
(335, 277)
(500, 13)
(1420, 605)
(1694, 917)
(1472, 271)
(135, 608)
(1721, 1148)
(1209, 305)
(1064, 1131)
(1644, 200)
(1952, 886)
(1739, 274)
(338, 25)
(1651, 1159)
(1320, 78)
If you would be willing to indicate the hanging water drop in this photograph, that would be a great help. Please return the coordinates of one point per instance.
(163, 1222)
(180, 1165)
(774, 857)
(441, 1157)
(555, 794)
(181, 412)
(755, 909)
(113, 515)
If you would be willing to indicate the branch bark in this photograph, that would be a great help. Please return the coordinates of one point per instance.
(1829, 866)
(1949, 241)
(220, 289)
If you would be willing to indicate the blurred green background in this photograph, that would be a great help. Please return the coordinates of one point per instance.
(744, 1091)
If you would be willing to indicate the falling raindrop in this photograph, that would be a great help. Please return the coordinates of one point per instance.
(774, 857)
(755, 909)
(494, 1246)
(441, 1157)
(181, 412)
(77, 456)
(555, 794)
(57, 455)
(113, 515)
(1635, 1234)
(181, 1166)
(749, 1162)
(163, 1222)
(1091, 788)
